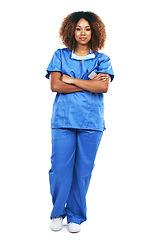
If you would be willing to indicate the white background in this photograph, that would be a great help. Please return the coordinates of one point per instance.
(123, 198)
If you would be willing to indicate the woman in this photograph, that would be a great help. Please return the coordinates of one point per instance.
(80, 75)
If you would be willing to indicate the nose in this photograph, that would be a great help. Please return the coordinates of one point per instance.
(83, 32)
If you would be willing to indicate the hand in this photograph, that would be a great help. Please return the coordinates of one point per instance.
(66, 79)
(101, 77)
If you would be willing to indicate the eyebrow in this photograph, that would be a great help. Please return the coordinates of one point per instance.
(81, 26)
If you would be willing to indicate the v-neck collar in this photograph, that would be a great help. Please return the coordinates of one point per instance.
(90, 55)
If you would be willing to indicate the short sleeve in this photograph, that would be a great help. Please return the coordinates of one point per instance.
(55, 64)
(105, 66)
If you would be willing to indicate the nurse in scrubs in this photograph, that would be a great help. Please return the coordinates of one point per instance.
(80, 75)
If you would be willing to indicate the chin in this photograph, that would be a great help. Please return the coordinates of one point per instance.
(83, 42)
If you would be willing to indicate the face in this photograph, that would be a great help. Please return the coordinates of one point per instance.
(83, 32)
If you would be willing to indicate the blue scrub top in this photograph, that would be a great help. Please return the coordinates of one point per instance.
(79, 110)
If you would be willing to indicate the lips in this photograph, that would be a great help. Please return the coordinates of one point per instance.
(83, 38)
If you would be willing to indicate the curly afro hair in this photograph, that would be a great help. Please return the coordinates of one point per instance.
(67, 30)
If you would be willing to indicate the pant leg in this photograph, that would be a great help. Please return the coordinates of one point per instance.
(87, 145)
(61, 172)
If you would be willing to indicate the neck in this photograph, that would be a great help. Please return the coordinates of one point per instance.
(82, 50)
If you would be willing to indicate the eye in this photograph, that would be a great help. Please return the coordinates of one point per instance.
(78, 29)
(88, 29)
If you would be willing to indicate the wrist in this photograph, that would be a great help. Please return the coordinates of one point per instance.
(72, 80)
(69, 80)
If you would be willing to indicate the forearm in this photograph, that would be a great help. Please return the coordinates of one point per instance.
(90, 85)
(59, 86)
(98, 84)
(62, 87)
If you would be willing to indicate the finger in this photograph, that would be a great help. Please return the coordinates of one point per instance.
(103, 75)
(100, 74)
(103, 78)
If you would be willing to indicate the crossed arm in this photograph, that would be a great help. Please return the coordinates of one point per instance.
(67, 84)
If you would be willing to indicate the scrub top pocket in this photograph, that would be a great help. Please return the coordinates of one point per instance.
(59, 114)
(96, 116)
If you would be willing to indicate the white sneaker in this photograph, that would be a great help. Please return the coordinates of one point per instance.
(56, 224)
(74, 227)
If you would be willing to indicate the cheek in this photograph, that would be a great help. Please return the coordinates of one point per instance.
(76, 34)
(89, 35)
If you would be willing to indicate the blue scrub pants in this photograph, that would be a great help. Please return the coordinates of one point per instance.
(73, 155)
